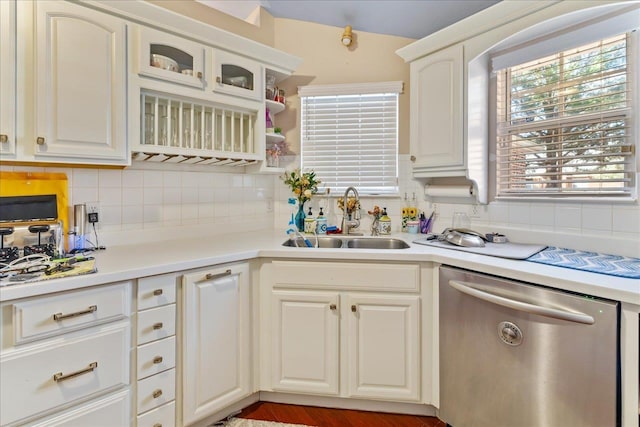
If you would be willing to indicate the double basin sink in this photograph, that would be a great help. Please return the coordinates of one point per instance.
(349, 242)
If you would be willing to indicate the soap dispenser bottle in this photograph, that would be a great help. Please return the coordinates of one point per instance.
(321, 227)
(384, 223)
(309, 223)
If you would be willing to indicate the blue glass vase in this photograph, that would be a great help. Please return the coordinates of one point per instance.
(300, 216)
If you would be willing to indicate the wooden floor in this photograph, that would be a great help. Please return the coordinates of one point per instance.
(324, 417)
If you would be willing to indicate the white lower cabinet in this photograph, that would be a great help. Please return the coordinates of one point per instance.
(77, 373)
(305, 341)
(106, 412)
(216, 350)
(156, 350)
(383, 346)
(370, 334)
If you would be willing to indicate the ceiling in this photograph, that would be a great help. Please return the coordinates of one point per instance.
(414, 19)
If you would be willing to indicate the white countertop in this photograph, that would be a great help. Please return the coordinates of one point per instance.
(132, 261)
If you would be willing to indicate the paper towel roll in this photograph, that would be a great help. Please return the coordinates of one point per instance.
(448, 190)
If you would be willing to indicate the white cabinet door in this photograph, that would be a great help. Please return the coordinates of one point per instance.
(305, 334)
(217, 340)
(437, 137)
(80, 84)
(237, 75)
(383, 346)
(7, 77)
(167, 57)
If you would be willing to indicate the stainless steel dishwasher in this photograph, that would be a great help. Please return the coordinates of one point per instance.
(514, 354)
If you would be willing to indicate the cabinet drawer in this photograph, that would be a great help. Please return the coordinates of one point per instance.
(156, 390)
(45, 377)
(107, 412)
(156, 291)
(48, 316)
(156, 357)
(164, 416)
(156, 323)
(347, 275)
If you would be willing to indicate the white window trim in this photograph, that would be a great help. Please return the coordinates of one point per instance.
(631, 15)
(375, 88)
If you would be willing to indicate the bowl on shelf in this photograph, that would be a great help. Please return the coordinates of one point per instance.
(164, 62)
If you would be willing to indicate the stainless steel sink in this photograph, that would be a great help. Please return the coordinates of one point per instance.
(376, 243)
(323, 242)
(349, 242)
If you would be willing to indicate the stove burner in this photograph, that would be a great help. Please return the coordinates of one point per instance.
(47, 249)
(8, 254)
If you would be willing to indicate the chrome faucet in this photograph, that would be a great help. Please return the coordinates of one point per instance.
(349, 223)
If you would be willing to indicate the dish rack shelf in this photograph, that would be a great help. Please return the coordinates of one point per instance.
(176, 130)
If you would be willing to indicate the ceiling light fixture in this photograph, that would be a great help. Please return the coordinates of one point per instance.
(347, 36)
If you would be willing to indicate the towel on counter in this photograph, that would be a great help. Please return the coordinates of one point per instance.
(612, 265)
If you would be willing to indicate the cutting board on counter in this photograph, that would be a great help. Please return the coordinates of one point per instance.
(502, 250)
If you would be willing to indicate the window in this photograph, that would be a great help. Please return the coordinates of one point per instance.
(564, 123)
(350, 135)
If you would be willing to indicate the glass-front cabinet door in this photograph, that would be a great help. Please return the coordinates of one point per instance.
(236, 75)
(171, 58)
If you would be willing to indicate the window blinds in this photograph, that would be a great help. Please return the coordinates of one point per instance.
(564, 124)
(351, 139)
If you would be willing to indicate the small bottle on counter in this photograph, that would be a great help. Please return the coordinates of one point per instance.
(321, 227)
(309, 223)
(384, 223)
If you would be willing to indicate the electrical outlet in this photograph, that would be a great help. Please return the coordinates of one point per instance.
(474, 211)
(93, 212)
(93, 207)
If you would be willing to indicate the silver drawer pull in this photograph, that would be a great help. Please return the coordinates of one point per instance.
(60, 316)
(157, 326)
(157, 360)
(157, 425)
(157, 292)
(61, 377)
(217, 276)
(157, 393)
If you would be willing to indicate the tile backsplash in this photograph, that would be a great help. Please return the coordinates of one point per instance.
(149, 201)
(600, 227)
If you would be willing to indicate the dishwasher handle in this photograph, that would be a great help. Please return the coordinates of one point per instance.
(468, 289)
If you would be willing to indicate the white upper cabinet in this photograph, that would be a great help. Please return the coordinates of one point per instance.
(236, 75)
(437, 142)
(80, 83)
(167, 57)
(7, 77)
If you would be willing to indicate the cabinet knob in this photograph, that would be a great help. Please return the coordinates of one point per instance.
(157, 292)
(157, 360)
(354, 308)
(333, 307)
(4, 138)
(157, 393)
(199, 74)
(40, 140)
(157, 326)
(412, 158)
